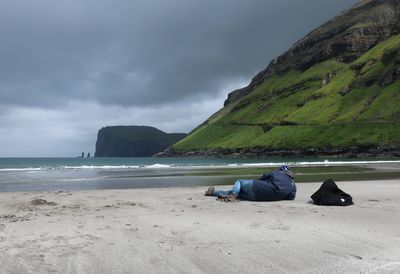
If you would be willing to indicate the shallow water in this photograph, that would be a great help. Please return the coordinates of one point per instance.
(48, 174)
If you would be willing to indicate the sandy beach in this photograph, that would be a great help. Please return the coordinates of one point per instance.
(178, 230)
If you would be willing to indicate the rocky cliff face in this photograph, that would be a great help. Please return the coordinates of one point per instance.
(334, 92)
(133, 141)
(346, 37)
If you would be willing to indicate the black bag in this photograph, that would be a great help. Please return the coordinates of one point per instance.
(329, 194)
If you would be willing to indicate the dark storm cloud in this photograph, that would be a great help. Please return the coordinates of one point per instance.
(70, 67)
(137, 53)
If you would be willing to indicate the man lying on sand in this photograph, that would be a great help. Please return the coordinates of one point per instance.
(273, 186)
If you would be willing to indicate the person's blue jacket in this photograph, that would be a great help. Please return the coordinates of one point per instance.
(274, 186)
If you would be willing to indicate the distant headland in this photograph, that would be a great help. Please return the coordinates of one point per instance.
(133, 141)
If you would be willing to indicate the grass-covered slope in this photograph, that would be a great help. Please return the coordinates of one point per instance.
(332, 105)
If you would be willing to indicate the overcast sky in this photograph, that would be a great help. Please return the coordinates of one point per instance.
(70, 67)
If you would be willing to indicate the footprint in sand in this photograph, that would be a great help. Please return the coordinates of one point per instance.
(131, 227)
(279, 227)
(165, 246)
(42, 202)
(255, 225)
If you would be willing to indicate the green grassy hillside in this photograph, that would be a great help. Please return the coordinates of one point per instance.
(331, 105)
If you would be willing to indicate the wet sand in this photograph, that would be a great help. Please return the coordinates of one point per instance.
(178, 230)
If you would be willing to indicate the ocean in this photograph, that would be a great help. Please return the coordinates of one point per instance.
(52, 174)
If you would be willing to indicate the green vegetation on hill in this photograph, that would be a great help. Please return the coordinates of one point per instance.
(331, 104)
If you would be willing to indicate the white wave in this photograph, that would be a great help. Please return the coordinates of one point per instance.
(193, 166)
(260, 164)
(44, 168)
(332, 163)
(158, 166)
(99, 167)
(311, 163)
(22, 169)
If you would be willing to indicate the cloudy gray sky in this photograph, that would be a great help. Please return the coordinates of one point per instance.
(70, 67)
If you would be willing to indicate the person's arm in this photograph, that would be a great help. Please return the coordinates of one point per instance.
(264, 177)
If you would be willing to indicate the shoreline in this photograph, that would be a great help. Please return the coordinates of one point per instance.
(172, 230)
(73, 180)
(368, 151)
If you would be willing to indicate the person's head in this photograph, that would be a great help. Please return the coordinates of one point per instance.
(284, 168)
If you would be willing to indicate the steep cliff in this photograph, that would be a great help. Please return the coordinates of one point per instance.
(133, 141)
(334, 92)
(345, 38)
